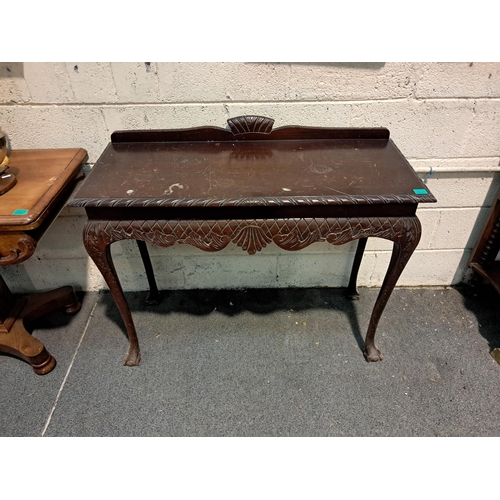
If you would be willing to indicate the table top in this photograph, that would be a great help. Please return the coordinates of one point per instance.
(41, 175)
(215, 167)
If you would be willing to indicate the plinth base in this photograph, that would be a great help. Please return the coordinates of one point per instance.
(15, 338)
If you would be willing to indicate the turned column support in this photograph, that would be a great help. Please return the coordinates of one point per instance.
(15, 339)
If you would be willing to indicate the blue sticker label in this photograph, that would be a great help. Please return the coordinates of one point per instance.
(420, 191)
(19, 211)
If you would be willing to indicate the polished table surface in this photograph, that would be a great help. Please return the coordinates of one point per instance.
(45, 179)
(299, 166)
(43, 175)
(251, 185)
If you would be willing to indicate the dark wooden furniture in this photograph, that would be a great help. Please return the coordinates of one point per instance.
(252, 185)
(45, 178)
(482, 260)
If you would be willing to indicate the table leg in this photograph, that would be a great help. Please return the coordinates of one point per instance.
(403, 249)
(97, 244)
(404, 232)
(352, 290)
(154, 297)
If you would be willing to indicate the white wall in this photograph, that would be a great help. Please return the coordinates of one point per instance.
(441, 115)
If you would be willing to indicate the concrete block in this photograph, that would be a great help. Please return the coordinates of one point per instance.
(436, 128)
(441, 229)
(457, 79)
(197, 115)
(92, 82)
(452, 228)
(436, 132)
(378, 245)
(136, 82)
(236, 271)
(483, 135)
(367, 266)
(222, 82)
(56, 127)
(323, 114)
(302, 269)
(169, 273)
(427, 129)
(163, 116)
(63, 240)
(72, 212)
(456, 228)
(179, 270)
(293, 269)
(13, 88)
(460, 189)
(351, 81)
(48, 82)
(425, 268)
(320, 264)
(37, 275)
(419, 129)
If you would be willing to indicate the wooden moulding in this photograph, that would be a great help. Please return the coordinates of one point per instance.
(16, 247)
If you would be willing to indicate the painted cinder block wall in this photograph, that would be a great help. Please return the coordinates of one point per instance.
(442, 116)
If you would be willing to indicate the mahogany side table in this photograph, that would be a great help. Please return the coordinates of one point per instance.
(45, 179)
(251, 185)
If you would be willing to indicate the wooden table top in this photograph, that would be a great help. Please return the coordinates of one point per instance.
(41, 176)
(288, 167)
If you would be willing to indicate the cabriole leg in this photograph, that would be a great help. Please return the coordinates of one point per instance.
(352, 290)
(401, 253)
(154, 297)
(98, 247)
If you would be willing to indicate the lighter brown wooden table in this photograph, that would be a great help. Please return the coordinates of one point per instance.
(45, 179)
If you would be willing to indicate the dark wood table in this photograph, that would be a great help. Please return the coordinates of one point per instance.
(251, 185)
(45, 179)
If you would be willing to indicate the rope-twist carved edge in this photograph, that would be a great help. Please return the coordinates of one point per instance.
(250, 202)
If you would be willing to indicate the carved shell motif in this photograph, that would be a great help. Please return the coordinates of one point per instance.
(251, 239)
(250, 124)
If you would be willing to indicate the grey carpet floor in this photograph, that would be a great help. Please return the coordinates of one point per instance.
(264, 363)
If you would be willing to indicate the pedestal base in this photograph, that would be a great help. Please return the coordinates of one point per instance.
(15, 338)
